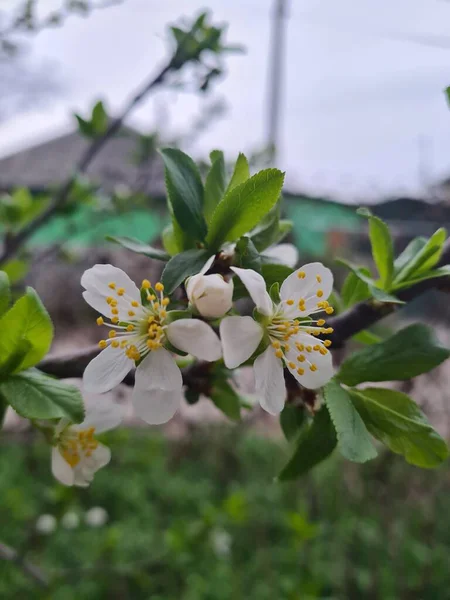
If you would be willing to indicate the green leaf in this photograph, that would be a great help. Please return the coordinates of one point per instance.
(292, 420)
(240, 174)
(247, 256)
(226, 399)
(5, 292)
(382, 247)
(313, 446)
(410, 352)
(99, 118)
(181, 266)
(441, 272)
(84, 127)
(271, 273)
(413, 248)
(139, 247)
(367, 337)
(170, 242)
(353, 439)
(355, 290)
(36, 396)
(447, 94)
(360, 272)
(244, 206)
(16, 269)
(185, 192)
(383, 296)
(437, 239)
(26, 321)
(425, 259)
(274, 292)
(284, 227)
(215, 184)
(394, 419)
(265, 234)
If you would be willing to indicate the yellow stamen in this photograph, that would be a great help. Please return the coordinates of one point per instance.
(301, 274)
(329, 310)
(290, 302)
(121, 291)
(279, 354)
(131, 313)
(114, 311)
(100, 321)
(319, 279)
(130, 328)
(159, 287)
(292, 365)
(327, 343)
(300, 371)
(134, 303)
(321, 322)
(112, 334)
(313, 367)
(115, 344)
(115, 320)
(112, 285)
(165, 301)
(146, 284)
(102, 344)
(319, 293)
(301, 358)
(109, 299)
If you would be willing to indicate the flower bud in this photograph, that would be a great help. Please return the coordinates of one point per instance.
(211, 295)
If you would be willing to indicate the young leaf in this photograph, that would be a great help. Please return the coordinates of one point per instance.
(292, 419)
(353, 439)
(5, 293)
(383, 296)
(99, 119)
(36, 396)
(382, 248)
(355, 290)
(26, 321)
(240, 174)
(441, 272)
(367, 337)
(427, 257)
(265, 234)
(394, 419)
(313, 446)
(185, 192)
(181, 266)
(171, 243)
(215, 184)
(247, 256)
(360, 272)
(226, 399)
(413, 248)
(139, 247)
(410, 352)
(244, 206)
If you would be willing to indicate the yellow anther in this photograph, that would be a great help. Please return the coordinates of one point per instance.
(313, 367)
(112, 285)
(301, 274)
(308, 348)
(162, 314)
(113, 303)
(289, 302)
(279, 354)
(319, 279)
(156, 305)
(327, 343)
(316, 348)
(146, 284)
(159, 287)
(115, 344)
(287, 347)
(112, 334)
(321, 322)
(100, 321)
(121, 291)
(165, 301)
(102, 344)
(329, 330)
(131, 313)
(300, 347)
(319, 293)
(275, 345)
(301, 358)
(134, 303)
(329, 310)
(115, 320)
(292, 365)
(300, 371)
(281, 327)
(114, 311)
(152, 297)
(130, 328)
(323, 351)
(109, 299)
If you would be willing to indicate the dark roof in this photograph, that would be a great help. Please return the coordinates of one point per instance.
(48, 164)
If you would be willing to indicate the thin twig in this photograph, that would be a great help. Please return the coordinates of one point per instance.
(34, 572)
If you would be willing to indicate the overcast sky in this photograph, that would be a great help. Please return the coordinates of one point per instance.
(363, 109)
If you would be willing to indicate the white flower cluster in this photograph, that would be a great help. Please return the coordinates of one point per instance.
(144, 333)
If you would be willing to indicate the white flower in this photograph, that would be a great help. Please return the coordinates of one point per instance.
(287, 330)
(45, 524)
(285, 254)
(96, 516)
(77, 454)
(70, 520)
(138, 334)
(221, 542)
(211, 295)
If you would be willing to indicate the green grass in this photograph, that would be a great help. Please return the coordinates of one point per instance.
(374, 531)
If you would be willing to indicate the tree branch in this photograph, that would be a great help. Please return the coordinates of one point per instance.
(35, 573)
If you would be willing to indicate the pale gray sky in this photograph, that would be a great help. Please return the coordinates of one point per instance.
(363, 85)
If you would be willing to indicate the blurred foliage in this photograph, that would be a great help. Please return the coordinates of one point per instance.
(202, 518)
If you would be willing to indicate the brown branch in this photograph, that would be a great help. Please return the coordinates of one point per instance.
(34, 572)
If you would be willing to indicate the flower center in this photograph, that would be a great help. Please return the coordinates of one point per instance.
(75, 445)
(135, 328)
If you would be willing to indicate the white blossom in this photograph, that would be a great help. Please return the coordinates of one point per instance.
(211, 295)
(45, 524)
(96, 516)
(288, 330)
(285, 254)
(138, 335)
(77, 454)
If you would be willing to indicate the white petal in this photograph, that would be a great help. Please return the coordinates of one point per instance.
(269, 380)
(101, 413)
(208, 264)
(60, 468)
(286, 254)
(87, 467)
(310, 379)
(159, 370)
(256, 287)
(295, 288)
(156, 406)
(97, 280)
(195, 337)
(240, 337)
(106, 370)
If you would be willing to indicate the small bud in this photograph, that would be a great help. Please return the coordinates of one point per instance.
(211, 295)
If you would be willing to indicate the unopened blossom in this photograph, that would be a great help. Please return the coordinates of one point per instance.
(139, 333)
(211, 295)
(77, 454)
(288, 329)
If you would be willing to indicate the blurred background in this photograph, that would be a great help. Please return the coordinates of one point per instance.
(348, 98)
